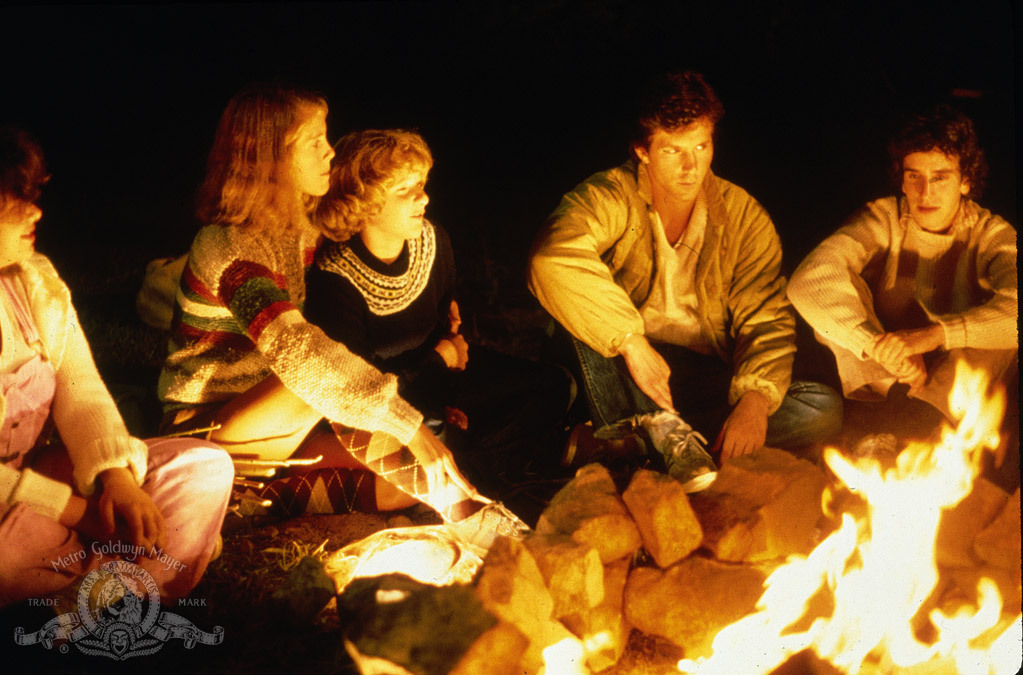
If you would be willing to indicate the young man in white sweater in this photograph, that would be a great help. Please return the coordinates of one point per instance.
(913, 283)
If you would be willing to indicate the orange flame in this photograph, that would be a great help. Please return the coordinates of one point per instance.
(875, 571)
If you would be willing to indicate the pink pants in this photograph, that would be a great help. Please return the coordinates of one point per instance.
(189, 480)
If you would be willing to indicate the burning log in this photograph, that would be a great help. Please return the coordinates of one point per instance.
(667, 524)
(589, 510)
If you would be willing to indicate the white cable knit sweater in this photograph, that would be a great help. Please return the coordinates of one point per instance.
(881, 272)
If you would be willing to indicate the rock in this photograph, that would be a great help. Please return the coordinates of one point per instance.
(960, 584)
(509, 576)
(959, 525)
(692, 601)
(393, 622)
(306, 590)
(590, 511)
(496, 652)
(999, 543)
(763, 506)
(603, 629)
(572, 572)
(666, 521)
(511, 587)
(399, 520)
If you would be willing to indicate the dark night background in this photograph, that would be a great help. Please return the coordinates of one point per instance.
(519, 102)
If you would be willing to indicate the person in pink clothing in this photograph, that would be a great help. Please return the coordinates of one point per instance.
(73, 500)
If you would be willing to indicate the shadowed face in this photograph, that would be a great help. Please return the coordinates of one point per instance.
(934, 186)
(18, 220)
(679, 160)
(311, 155)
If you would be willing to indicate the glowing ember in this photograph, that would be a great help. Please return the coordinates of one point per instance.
(430, 554)
(854, 600)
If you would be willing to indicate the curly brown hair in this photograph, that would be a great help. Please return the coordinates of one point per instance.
(366, 164)
(945, 129)
(674, 100)
(22, 166)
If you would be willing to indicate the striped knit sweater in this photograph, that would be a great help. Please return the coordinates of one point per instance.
(963, 280)
(238, 319)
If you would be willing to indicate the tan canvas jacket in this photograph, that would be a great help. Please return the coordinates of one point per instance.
(593, 264)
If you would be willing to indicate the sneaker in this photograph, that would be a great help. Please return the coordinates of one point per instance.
(483, 527)
(683, 449)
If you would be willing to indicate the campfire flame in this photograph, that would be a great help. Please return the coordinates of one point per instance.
(854, 600)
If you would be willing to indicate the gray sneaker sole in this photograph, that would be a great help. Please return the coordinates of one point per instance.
(701, 482)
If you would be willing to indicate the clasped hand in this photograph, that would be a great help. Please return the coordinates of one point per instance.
(900, 352)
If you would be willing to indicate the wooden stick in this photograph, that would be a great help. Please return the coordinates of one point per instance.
(245, 460)
(191, 432)
(261, 472)
(246, 497)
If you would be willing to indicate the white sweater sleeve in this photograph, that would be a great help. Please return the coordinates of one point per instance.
(828, 288)
(86, 417)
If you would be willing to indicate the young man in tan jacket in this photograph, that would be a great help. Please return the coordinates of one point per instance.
(668, 281)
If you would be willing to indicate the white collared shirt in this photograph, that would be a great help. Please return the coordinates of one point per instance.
(670, 312)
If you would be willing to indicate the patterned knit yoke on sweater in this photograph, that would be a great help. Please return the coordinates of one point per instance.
(391, 313)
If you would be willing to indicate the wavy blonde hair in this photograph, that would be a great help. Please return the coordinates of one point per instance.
(366, 164)
(249, 178)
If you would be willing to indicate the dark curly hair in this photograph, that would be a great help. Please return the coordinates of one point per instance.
(673, 100)
(948, 131)
(22, 167)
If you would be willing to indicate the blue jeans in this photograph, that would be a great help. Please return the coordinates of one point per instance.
(810, 412)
